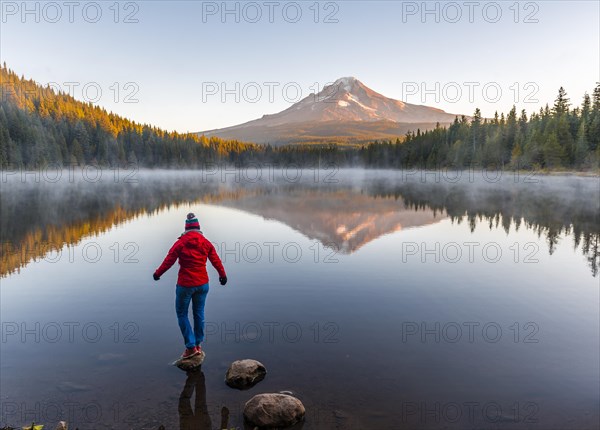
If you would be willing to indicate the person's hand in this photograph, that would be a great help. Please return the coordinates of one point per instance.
(155, 276)
(223, 280)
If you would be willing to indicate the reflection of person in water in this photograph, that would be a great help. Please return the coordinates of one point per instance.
(197, 418)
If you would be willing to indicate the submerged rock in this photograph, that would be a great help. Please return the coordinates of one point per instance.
(72, 387)
(110, 357)
(244, 374)
(191, 363)
(62, 425)
(273, 410)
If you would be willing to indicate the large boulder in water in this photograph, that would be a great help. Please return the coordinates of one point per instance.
(244, 374)
(192, 363)
(273, 410)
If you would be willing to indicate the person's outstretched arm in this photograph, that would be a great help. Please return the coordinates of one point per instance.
(169, 260)
(217, 264)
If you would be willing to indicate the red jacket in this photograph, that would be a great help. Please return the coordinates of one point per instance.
(192, 249)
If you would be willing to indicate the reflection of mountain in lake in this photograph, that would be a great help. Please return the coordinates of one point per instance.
(339, 219)
(38, 218)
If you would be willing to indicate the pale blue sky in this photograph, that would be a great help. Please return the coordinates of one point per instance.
(171, 55)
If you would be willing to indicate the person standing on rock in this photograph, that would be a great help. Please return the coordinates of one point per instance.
(192, 249)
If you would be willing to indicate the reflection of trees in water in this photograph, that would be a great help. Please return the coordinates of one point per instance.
(552, 215)
(36, 221)
(41, 218)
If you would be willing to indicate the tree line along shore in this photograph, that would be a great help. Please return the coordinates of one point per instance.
(41, 127)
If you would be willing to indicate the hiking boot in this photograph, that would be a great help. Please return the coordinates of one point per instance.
(189, 352)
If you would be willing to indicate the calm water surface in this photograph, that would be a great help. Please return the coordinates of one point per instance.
(380, 300)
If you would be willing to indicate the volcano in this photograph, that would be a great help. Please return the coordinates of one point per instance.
(345, 111)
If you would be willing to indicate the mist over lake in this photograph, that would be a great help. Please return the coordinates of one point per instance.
(291, 215)
(381, 299)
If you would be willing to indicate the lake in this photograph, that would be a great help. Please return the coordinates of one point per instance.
(381, 299)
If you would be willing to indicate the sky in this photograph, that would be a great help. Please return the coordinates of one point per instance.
(193, 65)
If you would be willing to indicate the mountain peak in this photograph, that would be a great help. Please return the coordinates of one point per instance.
(345, 108)
(346, 79)
(346, 82)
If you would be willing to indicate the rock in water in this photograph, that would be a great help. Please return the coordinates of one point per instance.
(191, 363)
(244, 374)
(273, 410)
(62, 425)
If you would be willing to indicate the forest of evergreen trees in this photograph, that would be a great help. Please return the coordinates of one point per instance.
(557, 137)
(40, 127)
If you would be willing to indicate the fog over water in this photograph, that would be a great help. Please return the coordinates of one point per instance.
(394, 299)
(36, 204)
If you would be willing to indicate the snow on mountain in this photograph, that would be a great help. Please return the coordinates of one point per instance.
(348, 102)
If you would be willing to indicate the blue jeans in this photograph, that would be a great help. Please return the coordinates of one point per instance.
(197, 295)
